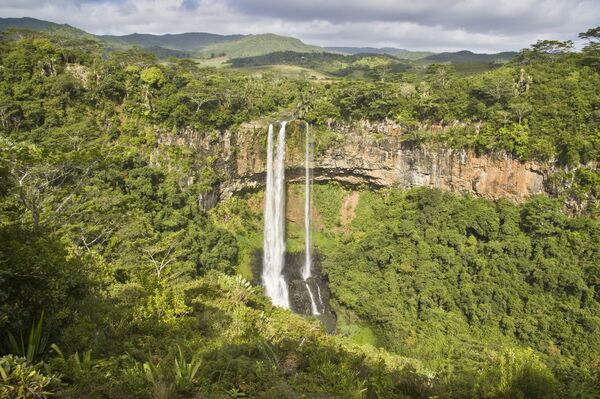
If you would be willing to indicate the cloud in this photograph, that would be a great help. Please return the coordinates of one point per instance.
(471, 15)
(478, 25)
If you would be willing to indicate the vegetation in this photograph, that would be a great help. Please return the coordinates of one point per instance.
(541, 106)
(400, 53)
(370, 65)
(184, 45)
(256, 45)
(468, 56)
(20, 379)
(117, 281)
(446, 279)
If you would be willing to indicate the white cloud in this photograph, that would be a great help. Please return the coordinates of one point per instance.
(478, 25)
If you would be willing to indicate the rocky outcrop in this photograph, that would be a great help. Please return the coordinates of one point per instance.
(297, 288)
(365, 156)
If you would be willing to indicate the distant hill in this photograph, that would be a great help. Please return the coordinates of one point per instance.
(162, 52)
(255, 45)
(210, 45)
(193, 41)
(397, 52)
(44, 26)
(366, 50)
(28, 23)
(193, 44)
(468, 56)
(370, 66)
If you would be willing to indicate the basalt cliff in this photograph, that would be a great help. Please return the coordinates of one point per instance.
(362, 155)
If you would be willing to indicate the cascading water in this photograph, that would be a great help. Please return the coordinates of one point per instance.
(274, 233)
(274, 251)
(306, 271)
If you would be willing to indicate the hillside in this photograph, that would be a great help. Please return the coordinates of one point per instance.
(366, 50)
(358, 65)
(44, 26)
(210, 45)
(468, 56)
(400, 53)
(448, 223)
(255, 45)
(183, 45)
(188, 42)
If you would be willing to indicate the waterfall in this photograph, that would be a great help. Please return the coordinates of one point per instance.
(306, 271)
(274, 231)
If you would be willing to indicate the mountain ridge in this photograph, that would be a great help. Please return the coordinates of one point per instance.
(189, 41)
(209, 45)
(469, 56)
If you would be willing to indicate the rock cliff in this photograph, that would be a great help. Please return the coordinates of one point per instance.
(362, 156)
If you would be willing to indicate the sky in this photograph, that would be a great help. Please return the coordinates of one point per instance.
(432, 25)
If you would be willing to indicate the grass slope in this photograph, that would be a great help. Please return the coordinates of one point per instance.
(326, 63)
(255, 45)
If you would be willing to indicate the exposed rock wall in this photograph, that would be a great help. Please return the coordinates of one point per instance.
(362, 159)
(367, 157)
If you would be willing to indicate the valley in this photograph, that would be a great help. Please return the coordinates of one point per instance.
(200, 215)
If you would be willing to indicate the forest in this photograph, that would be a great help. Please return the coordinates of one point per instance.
(116, 281)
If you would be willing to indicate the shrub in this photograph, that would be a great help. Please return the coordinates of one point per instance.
(20, 379)
(517, 373)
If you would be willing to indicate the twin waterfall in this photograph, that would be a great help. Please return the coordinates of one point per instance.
(274, 249)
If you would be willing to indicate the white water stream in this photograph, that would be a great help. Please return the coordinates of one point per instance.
(306, 271)
(274, 235)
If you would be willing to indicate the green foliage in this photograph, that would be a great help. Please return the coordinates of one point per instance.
(20, 379)
(186, 372)
(517, 374)
(440, 278)
(153, 76)
(328, 199)
(35, 345)
(107, 169)
(256, 45)
(35, 275)
(539, 106)
(79, 364)
(166, 305)
(371, 65)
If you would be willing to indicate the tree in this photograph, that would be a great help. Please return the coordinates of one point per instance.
(46, 187)
(521, 108)
(551, 49)
(162, 253)
(591, 51)
(439, 74)
(153, 76)
(592, 34)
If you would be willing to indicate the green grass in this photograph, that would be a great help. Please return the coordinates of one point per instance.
(254, 45)
(288, 71)
(357, 332)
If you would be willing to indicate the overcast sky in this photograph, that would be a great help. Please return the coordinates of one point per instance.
(436, 25)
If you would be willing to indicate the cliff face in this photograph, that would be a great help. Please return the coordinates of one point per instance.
(362, 157)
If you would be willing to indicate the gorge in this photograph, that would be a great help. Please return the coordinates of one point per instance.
(355, 158)
(358, 157)
(174, 230)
